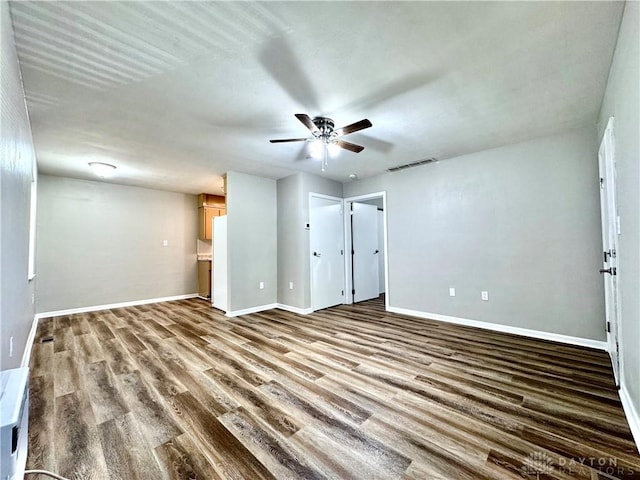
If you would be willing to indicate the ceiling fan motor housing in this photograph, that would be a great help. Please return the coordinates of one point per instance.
(325, 125)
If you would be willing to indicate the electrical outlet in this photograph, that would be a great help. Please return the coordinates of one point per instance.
(11, 346)
(485, 296)
(452, 292)
(261, 285)
(165, 243)
(290, 285)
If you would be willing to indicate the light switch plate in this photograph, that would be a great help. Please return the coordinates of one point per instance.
(485, 296)
(452, 292)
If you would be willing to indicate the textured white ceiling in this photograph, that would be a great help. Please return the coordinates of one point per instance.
(177, 93)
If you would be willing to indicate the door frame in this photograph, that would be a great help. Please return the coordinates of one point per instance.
(607, 171)
(347, 244)
(309, 253)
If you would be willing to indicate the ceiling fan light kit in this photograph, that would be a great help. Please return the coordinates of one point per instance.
(324, 133)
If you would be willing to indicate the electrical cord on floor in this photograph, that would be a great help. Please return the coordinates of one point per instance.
(44, 472)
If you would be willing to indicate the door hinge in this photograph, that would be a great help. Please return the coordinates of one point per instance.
(353, 292)
(342, 292)
(341, 252)
(608, 327)
(601, 183)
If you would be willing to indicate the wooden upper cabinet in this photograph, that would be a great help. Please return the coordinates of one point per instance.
(208, 200)
(209, 206)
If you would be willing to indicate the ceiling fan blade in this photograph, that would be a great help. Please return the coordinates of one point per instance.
(285, 140)
(349, 146)
(354, 127)
(308, 122)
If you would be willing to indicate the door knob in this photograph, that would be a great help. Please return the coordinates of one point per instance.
(316, 254)
(610, 270)
(377, 251)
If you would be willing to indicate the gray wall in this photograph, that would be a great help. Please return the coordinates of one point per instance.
(100, 243)
(521, 222)
(252, 241)
(291, 246)
(17, 155)
(293, 238)
(622, 101)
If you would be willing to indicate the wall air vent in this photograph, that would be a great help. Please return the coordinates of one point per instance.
(413, 164)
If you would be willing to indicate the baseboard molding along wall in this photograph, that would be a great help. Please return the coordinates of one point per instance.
(270, 306)
(26, 356)
(71, 311)
(298, 310)
(525, 332)
(247, 311)
(631, 413)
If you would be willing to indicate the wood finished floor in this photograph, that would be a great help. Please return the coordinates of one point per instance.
(178, 391)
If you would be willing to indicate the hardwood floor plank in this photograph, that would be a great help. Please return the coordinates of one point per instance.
(118, 357)
(46, 328)
(66, 374)
(41, 359)
(455, 462)
(126, 453)
(42, 434)
(383, 456)
(105, 398)
(226, 451)
(63, 339)
(102, 331)
(153, 419)
(182, 459)
(278, 456)
(78, 450)
(88, 348)
(255, 401)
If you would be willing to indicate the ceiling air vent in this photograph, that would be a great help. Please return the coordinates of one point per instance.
(413, 164)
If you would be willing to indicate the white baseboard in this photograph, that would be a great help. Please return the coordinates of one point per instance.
(631, 413)
(26, 356)
(525, 332)
(247, 311)
(71, 311)
(298, 310)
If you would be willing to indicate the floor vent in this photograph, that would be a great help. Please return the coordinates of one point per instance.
(413, 164)
(46, 339)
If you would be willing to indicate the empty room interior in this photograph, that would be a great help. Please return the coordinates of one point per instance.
(320, 240)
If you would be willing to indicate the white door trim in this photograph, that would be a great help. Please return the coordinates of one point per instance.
(310, 258)
(347, 244)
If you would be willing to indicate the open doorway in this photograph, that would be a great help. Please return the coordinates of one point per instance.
(366, 262)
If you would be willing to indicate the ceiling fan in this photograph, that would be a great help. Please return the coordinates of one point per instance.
(323, 131)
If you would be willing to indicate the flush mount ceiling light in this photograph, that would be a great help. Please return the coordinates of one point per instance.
(101, 169)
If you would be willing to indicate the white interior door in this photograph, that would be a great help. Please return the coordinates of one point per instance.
(365, 251)
(610, 232)
(326, 242)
